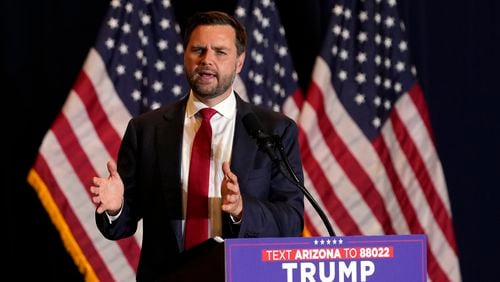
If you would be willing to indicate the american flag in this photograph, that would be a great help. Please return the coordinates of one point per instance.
(366, 139)
(135, 65)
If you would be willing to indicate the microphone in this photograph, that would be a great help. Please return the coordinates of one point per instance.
(264, 140)
(268, 144)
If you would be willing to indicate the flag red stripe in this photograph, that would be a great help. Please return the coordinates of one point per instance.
(351, 166)
(86, 91)
(78, 232)
(418, 165)
(334, 206)
(78, 159)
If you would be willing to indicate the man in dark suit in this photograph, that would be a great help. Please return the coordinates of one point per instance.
(248, 196)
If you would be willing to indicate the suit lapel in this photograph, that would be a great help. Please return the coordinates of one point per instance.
(169, 150)
(244, 148)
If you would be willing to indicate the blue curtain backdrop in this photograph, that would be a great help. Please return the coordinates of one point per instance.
(455, 46)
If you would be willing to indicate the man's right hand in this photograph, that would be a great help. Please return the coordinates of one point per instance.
(107, 193)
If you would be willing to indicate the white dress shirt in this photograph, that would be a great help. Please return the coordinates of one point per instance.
(222, 123)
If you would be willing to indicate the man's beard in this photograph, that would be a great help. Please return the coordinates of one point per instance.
(206, 91)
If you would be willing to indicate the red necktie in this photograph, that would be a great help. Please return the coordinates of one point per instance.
(196, 230)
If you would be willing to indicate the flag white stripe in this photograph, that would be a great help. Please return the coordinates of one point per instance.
(77, 197)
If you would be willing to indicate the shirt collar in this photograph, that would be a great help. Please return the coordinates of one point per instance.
(226, 108)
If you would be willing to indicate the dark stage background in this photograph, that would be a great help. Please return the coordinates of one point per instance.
(454, 44)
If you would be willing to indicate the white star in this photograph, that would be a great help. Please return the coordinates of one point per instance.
(115, 3)
(377, 80)
(110, 43)
(257, 57)
(337, 10)
(398, 87)
(258, 36)
(157, 86)
(126, 28)
(139, 54)
(362, 37)
(155, 105)
(165, 3)
(378, 39)
(265, 22)
(162, 44)
(257, 99)
(343, 54)
(389, 22)
(361, 58)
(144, 40)
(136, 95)
(335, 49)
(363, 16)
(179, 48)
(145, 19)
(342, 75)
(345, 34)
(391, 3)
(340, 241)
(120, 69)
(178, 69)
(164, 23)
(276, 88)
(315, 242)
(378, 60)
(177, 90)
(359, 99)
(347, 14)
(387, 83)
(266, 3)
(113, 23)
(414, 70)
(328, 242)
(376, 122)
(129, 7)
(160, 65)
(377, 18)
(360, 78)
(138, 74)
(377, 101)
(387, 104)
(322, 242)
(337, 29)
(387, 62)
(403, 46)
(123, 49)
(400, 66)
(282, 51)
(240, 12)
(258, 79)
(388, 42)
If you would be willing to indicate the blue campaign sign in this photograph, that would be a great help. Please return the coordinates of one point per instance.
(348, 259)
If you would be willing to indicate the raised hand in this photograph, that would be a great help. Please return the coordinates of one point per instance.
(232, 201)
(108, 192)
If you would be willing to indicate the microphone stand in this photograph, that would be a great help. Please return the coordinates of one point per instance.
(290, 174)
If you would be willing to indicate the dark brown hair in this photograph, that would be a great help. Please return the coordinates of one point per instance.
(217, 18)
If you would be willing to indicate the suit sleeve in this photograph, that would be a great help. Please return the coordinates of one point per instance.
(273, 206)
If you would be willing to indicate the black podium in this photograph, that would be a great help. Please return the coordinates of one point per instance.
(204, 262)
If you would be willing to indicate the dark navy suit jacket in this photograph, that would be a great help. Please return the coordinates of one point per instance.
(149, 163)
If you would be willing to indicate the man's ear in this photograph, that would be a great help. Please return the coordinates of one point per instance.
(239, 62)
